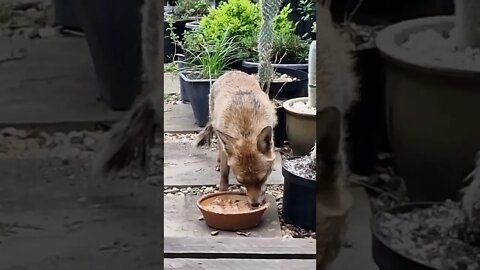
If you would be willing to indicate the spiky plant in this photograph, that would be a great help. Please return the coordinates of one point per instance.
(269, 10)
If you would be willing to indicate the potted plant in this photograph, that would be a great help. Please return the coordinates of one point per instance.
(299, 199)
(175, 21)
(289, 51)
(119, 67)
(301, 112)
(432, 64)
(203, 65)
(243, 19)
(430, 235)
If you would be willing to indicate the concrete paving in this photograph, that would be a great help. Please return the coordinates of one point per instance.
(179, 119)
(182, 220)
(54, 216)
(358, 234)
(54, 84)
(188, 166)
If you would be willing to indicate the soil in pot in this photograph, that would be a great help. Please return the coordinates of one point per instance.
(423, 236)
(197, 90)
(287, 83)
(299, 201)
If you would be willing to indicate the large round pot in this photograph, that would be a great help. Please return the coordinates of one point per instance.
(301, 127)
(299, 201)
(387, 258)
(431, 114)
(288, 90)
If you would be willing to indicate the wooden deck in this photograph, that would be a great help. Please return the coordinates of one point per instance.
(239, 253)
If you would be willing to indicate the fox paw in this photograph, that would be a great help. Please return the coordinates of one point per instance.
(217, 167)
(222, 187)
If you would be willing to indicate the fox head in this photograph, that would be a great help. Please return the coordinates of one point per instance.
(251, 160)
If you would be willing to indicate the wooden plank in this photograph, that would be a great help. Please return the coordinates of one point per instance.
(238, 264)
(239, 248)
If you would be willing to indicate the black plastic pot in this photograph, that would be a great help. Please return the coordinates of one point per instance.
(387, 258)
(367, 135)
(197, 91)
(299, 201)
(289, 90)
(251, 63)
(280, 130)
(66, 15)
(113, 33)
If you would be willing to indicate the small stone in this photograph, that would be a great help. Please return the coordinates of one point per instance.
(246, 234)
(201, 218)
(9, 131)
(46, 32)
(175, 189)
(32, 144)
(209, 190)
(18, 144)
(168, 191)
(214, 233)
(89, 142)
(75, 137)
(170, 195)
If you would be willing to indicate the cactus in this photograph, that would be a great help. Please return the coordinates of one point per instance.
(312, 75)
(468, 23)
(269, 10)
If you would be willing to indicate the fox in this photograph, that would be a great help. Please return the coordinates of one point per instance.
(337, 86)
(243, 118)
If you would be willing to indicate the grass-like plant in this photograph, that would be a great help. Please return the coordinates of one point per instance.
(213, 58)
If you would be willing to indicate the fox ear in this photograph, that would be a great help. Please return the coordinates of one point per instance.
(264, 140)
(227, 141)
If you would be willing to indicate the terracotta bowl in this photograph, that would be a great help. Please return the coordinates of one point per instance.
(243, 218)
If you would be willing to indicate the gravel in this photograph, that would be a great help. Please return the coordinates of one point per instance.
(301, 107)
(18, 143)
(29, 19)
(302, 166)
(431, 235)
(442, 49)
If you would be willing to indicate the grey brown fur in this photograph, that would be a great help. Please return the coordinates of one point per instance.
(336, 91)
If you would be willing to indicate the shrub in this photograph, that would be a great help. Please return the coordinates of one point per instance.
(185, 9)
(243, 18)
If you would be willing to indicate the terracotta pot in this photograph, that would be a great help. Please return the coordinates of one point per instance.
(230, 221)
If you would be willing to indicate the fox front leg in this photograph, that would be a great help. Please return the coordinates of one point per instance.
(217, 166)
(224, 172)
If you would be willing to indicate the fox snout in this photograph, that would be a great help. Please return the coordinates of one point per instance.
(255, 195)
